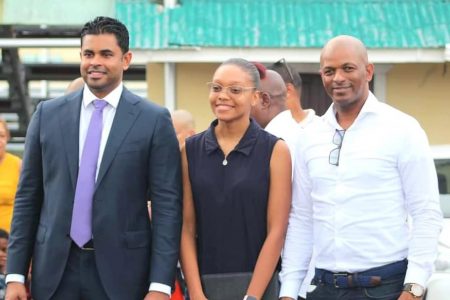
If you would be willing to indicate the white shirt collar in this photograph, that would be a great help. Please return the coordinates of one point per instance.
(371, 105)
(112, 98)
(310, 116)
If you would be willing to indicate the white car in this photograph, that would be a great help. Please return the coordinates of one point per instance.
(439, 284)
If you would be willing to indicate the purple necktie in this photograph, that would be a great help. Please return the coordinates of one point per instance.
(81, 228)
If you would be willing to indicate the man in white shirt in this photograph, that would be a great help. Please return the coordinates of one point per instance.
(272, 100)
(272, 113)
(361, 172)
(293, 82)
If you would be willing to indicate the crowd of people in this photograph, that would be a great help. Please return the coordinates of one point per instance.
(119, 199)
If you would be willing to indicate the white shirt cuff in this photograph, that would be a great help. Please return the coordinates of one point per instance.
(416, 274)
(14, 278)
(159, 287)
(289, 289)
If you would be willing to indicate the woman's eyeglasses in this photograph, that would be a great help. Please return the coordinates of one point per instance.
(232, 90)
(338, 138)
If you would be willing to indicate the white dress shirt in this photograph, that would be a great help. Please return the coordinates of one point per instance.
(355, 214)
(87, 108)
(286, 127)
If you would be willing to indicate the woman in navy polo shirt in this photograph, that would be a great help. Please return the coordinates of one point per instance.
(237, 188)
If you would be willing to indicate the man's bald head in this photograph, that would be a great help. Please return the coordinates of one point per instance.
(272, 99)
(346, 73)
(76, 84)
(183, 117)
(345, 43)
(274, 85)
(184, 125)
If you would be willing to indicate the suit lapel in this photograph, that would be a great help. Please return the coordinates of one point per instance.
(70, 127)
(126, 114)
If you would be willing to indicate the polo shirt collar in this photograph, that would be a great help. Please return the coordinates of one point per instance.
(245, 145)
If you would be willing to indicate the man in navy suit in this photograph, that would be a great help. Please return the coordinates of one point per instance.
(91, 238)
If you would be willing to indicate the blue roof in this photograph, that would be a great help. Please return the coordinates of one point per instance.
(286, 23)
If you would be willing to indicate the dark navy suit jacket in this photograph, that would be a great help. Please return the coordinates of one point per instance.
(141, 161)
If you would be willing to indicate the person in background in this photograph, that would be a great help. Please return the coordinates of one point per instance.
(236, 188)
(184, 125)
(293, 82)
(272, 100)
(10, 166)
(271, 111)
(74, 85)
(92, 160)
(361, 172)
(3, 249)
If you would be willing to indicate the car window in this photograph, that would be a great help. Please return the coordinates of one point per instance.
(443, 173)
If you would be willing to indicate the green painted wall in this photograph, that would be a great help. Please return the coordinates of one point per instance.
(54, 12)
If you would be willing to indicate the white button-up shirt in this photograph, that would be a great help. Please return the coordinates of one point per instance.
(87, 108)
(355, 215)
(286, 127)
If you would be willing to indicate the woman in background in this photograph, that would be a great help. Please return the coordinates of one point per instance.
(9, 178)
(237, 188)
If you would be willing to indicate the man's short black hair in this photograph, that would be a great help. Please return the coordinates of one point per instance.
(282, 68)
(102, 25)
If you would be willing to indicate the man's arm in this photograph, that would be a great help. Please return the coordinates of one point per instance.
(420, 187)
(165, 193)
(27, 205)
(298, 246)
(26, 215)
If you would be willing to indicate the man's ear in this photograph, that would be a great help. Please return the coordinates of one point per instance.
(265, 100)
(369, 72)
(126, 60)
(290, 88)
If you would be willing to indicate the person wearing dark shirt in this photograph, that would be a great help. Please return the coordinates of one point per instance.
(3, 248)
(237, 188)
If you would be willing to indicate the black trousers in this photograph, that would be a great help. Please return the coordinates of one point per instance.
(80, 280)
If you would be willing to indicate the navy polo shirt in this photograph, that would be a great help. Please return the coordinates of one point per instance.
(230, 198)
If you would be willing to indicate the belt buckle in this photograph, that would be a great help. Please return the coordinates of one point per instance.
(89, 246)
(335, 279)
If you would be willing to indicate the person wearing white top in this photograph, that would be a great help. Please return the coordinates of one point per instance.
(272, 113)
(272, 100)
(293, 82)
(288, 124)
(285, 126)
(362, 172)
